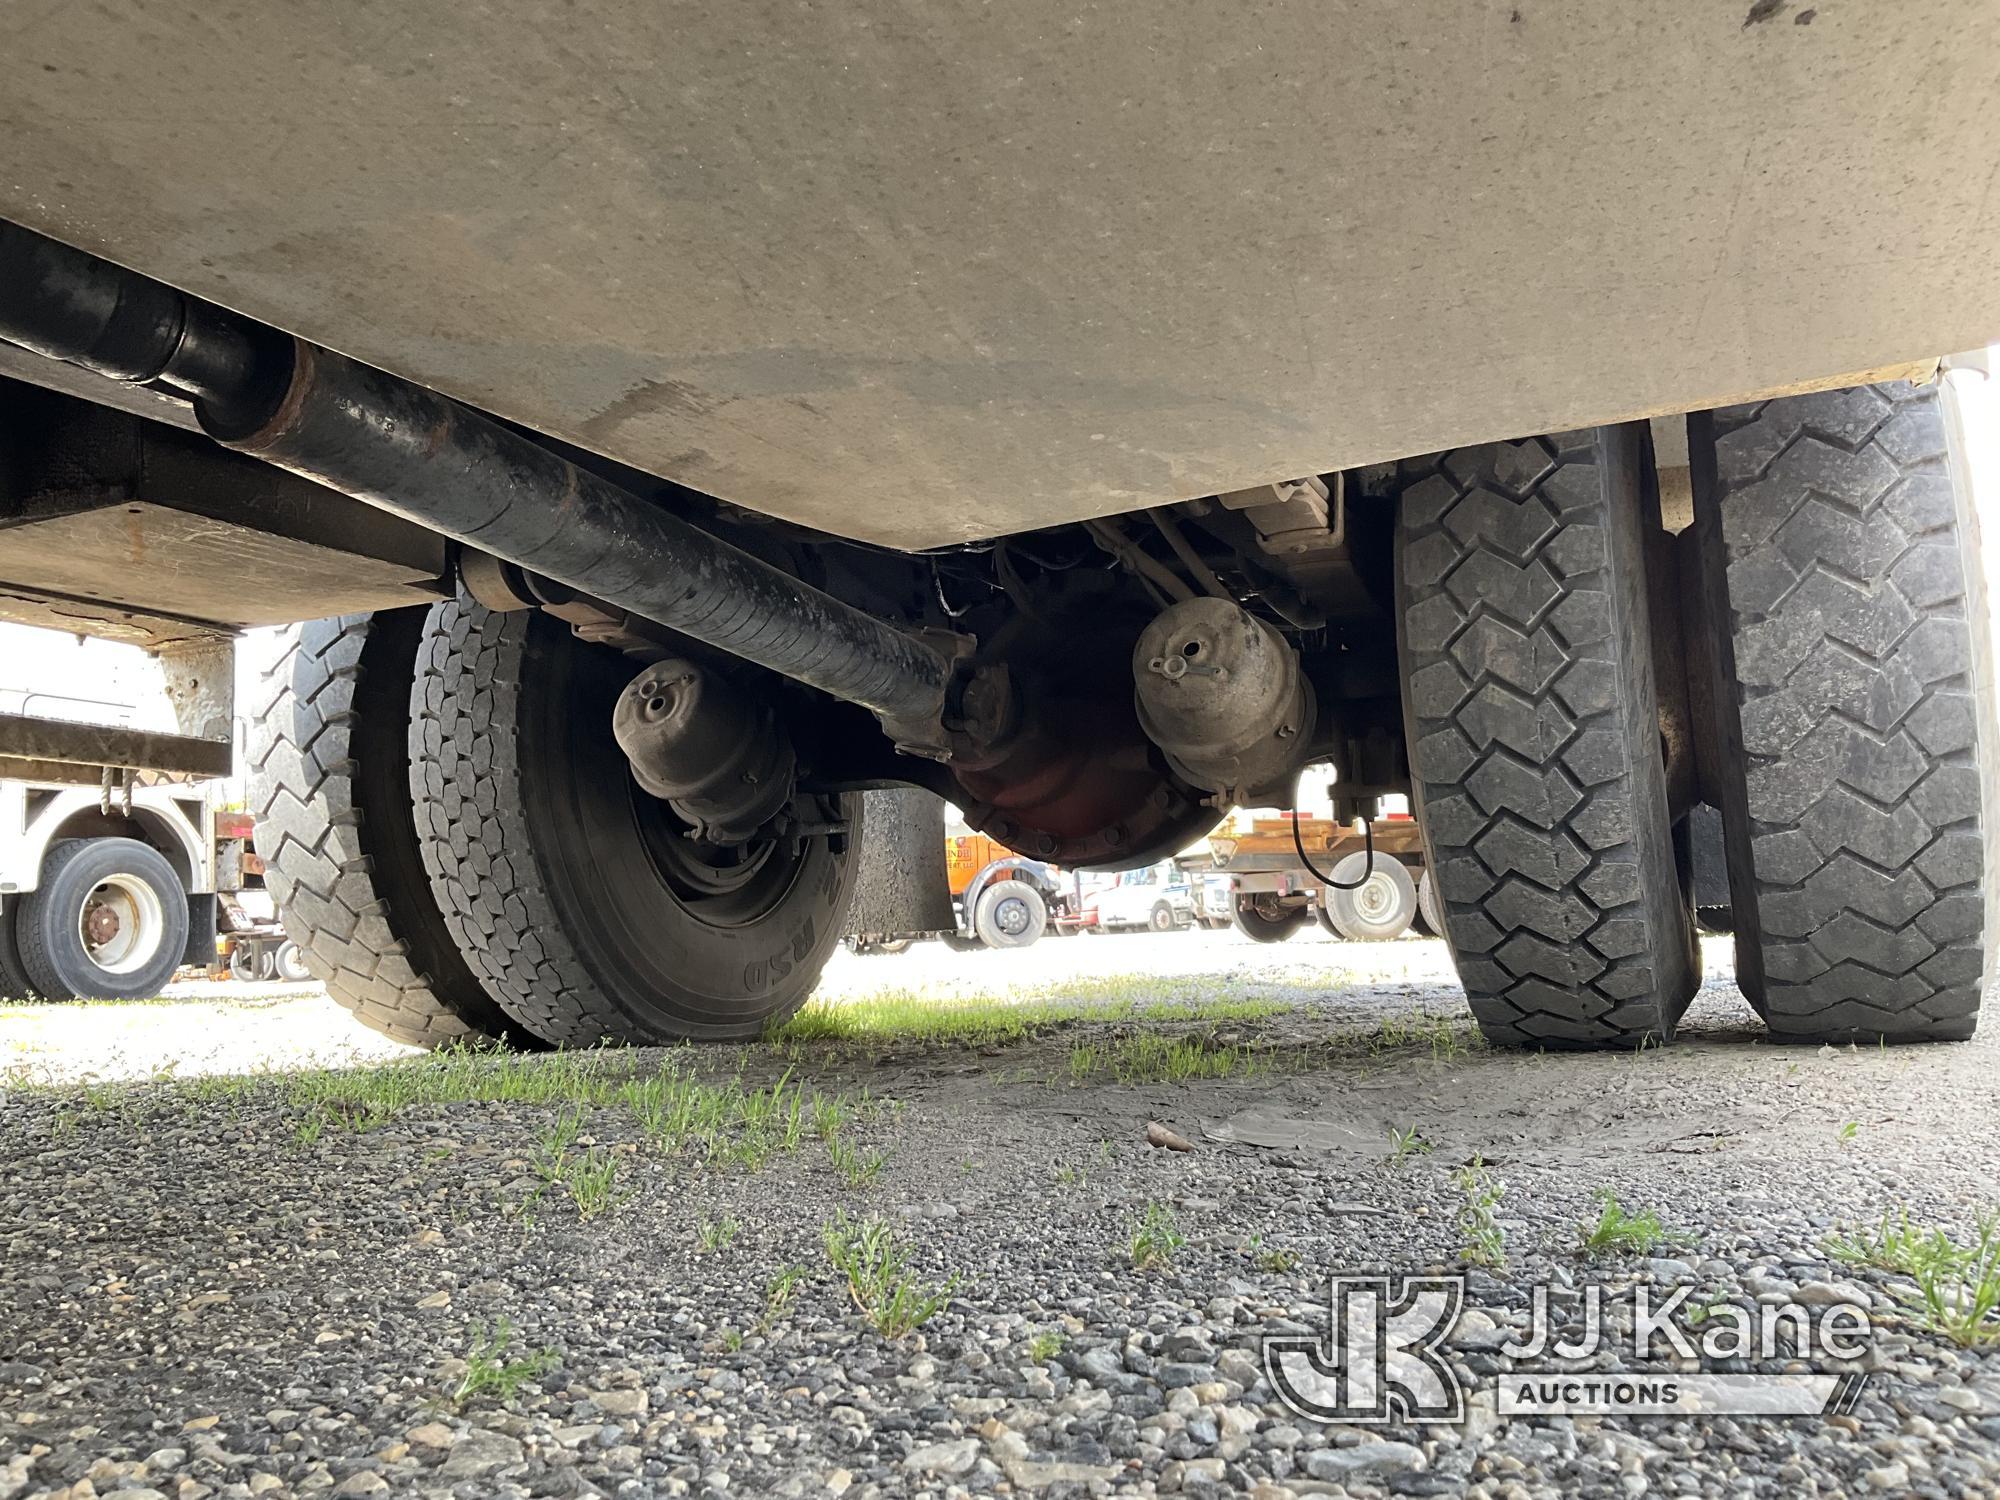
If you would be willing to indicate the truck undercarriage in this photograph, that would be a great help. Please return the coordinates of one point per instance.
(577, 746)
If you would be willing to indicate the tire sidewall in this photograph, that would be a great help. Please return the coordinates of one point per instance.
(672, 975)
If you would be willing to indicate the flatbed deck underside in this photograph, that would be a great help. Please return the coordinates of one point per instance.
(919, 275)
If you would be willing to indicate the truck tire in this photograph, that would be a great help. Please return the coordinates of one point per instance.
(109, 921)
(1852, 682)
(575, 895)
(243, 961)
(14, 981)
(329, 788)
(1010, 914)
(1268, 923)
(1534, 736)
(1376, 910)
(1162, 918)
(1430, 915)
(291, 964)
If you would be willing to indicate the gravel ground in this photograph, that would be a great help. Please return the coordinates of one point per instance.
(214, 1287)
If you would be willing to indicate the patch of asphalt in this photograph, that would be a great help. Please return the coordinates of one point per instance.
(197, 1298)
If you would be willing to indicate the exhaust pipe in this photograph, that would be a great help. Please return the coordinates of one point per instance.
(420, 455)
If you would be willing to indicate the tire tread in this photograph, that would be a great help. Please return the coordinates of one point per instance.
(318, 851)
(1832, 543)
(1526, 641)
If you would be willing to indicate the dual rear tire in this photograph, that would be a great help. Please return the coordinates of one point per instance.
(457, 845)
(1832, 631)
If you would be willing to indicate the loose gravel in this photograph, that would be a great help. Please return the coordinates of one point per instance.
(213, 1287)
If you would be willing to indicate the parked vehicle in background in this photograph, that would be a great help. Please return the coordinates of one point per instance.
(1003, 899)
(1158, 896)
(999, 898)
(1273, 873)
(107, 880)
(250, 942)
(1214, 894)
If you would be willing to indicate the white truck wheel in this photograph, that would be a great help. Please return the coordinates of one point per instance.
(109, 921)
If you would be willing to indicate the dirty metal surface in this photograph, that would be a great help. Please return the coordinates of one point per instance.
(901, 886)
(58, 750)
(154, 558)
(921, 275)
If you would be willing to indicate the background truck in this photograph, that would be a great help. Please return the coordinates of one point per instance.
(1003, 899)
(1275, 889)
(107, 875)
(251, 944)
(997, 897)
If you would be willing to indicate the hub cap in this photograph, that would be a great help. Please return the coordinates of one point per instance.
(121, 924)
(1375, 902)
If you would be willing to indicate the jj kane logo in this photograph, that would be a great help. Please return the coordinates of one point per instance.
(1383, 1356)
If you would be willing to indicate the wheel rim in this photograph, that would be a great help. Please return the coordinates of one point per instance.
(121, 924)
(1011, 916)
(721, 887)
(675, 927)
(1377, 901)
(609, 817)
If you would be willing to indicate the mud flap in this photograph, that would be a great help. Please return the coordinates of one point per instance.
(901, 889)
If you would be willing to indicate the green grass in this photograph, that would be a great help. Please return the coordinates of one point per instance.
(681, 1114)
(1478, 1221)
(488, 1371)
(876, 1266)
(1270, 1257)
(1617, 1231)
(1151, 1058)
(726, 1122)
(1444, 1036)
(858, 1167)
(989, 1019)
(1406, 1143)
(591, 1181)
(1045, 1346)
(1157, 1239)
(711, 1235)
(1955, 1289)
(779, 1295)
(365, 1098)
(830, 1113)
